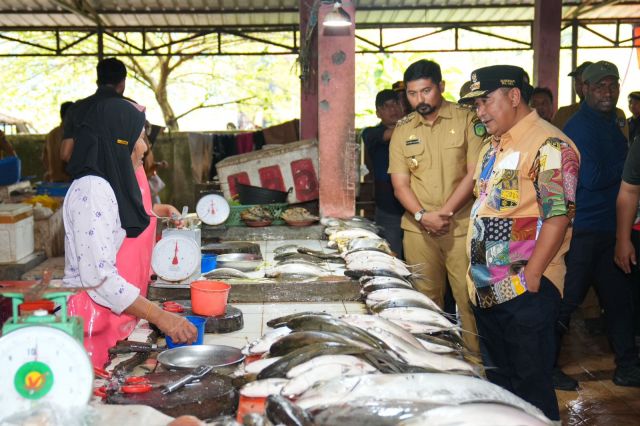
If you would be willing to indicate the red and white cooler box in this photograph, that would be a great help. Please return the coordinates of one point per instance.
(294, 165)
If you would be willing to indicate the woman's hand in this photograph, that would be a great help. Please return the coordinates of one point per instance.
(167, 210)
(178, 328)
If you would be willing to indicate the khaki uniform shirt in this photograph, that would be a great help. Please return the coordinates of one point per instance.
(564, 113)
(436, 157)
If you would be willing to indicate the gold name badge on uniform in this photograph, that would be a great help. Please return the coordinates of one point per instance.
(412, 140)
(413, 163)
(122, 142)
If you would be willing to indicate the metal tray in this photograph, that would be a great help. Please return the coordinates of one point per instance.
(241, 261)
(189, 357)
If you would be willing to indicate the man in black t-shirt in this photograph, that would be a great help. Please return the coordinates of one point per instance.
(112, 75)
(628, 226)
(376, 141)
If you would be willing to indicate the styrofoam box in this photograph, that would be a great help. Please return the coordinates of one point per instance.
(16, 232)
(294, 165)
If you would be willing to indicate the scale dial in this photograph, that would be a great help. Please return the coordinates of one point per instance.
(213, 209)
(175, 257)
(43, 365)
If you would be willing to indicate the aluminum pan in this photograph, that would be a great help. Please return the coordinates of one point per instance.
(188, 357)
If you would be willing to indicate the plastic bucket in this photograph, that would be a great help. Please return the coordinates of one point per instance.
(199, 323)
(249, 404)
(208, 263)
(209, 298)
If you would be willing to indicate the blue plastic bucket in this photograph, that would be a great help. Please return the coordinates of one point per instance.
(199, 323)
(208, 263)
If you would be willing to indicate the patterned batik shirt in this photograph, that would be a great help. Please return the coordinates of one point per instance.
(500, 246)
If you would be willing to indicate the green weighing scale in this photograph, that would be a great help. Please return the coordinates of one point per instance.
(42, 357)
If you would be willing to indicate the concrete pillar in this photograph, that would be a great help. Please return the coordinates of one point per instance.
(308, 75)
(336, 115)
(547, 23)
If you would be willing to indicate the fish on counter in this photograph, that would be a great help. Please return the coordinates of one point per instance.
(263, 387)
(438, 388)
(476, 414)
(303, 381)
(281, 411)
(264, 342)
(296, 271)
(222, 273)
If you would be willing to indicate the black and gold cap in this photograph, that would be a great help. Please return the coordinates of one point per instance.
(486, 80)
(634, 95)
(599, 70)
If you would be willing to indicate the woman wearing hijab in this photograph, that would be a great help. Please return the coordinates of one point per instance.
(102, 207)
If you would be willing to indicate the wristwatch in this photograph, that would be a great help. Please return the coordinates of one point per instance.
(419, 214)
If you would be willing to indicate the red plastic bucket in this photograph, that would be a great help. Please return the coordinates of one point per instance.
(209, 298)
(249, 404)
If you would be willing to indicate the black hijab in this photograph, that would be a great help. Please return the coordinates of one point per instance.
(104, 142)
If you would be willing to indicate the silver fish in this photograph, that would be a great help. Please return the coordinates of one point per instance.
(417, 315)
(425, 387)
(304, 381)
(296, 271)
(375, 412)
(263, 388)
(347, 360)
(476, 414)
(257, 366)
(285, 249)
(399, 293)
(262, 344)
(226, 273)
(367, 322)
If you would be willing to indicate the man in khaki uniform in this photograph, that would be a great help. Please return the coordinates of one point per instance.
(433, 153)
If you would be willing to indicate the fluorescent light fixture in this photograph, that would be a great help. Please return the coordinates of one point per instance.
(337, 17)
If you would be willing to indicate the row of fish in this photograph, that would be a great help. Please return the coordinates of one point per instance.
(347, 369)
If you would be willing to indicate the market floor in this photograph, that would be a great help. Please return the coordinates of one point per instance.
(598, 401)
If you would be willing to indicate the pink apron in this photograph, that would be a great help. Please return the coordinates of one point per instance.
(102, 328)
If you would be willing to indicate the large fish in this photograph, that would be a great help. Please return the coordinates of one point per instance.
(374, 412)
(262, 388)
(425, 387)
(370, 322)
(476, 414)
(335, 325)
(419, 315)
(299, 356)
(257, 366)
(304, 381)
(283, 320)
(221, 273)
(282, 411)
(346, 360)
(299, 339)
(264, 342)
(402, 293)
(332, 256)
(296, 271)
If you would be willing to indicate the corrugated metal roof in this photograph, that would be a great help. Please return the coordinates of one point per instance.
(273, 14)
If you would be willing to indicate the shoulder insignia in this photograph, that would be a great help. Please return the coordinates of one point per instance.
(407, 118)
(479, 129)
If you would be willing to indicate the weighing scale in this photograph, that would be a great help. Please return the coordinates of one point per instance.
(213, 209)
(176, 257)
(42, 357)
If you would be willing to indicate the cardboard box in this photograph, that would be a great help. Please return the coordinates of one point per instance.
(294, 165)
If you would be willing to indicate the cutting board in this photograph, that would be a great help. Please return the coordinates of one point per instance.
(232, 319)
(214, 396)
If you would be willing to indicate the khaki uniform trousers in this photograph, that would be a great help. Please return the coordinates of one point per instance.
(441, 257)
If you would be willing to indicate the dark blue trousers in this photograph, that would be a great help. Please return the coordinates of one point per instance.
(590, 262)
(517, 341)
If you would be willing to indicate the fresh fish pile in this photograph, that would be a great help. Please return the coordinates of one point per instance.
(403, 363)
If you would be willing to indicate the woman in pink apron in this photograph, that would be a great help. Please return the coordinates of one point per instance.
(100, 209)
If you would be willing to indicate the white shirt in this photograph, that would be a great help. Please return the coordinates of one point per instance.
(93, 237)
